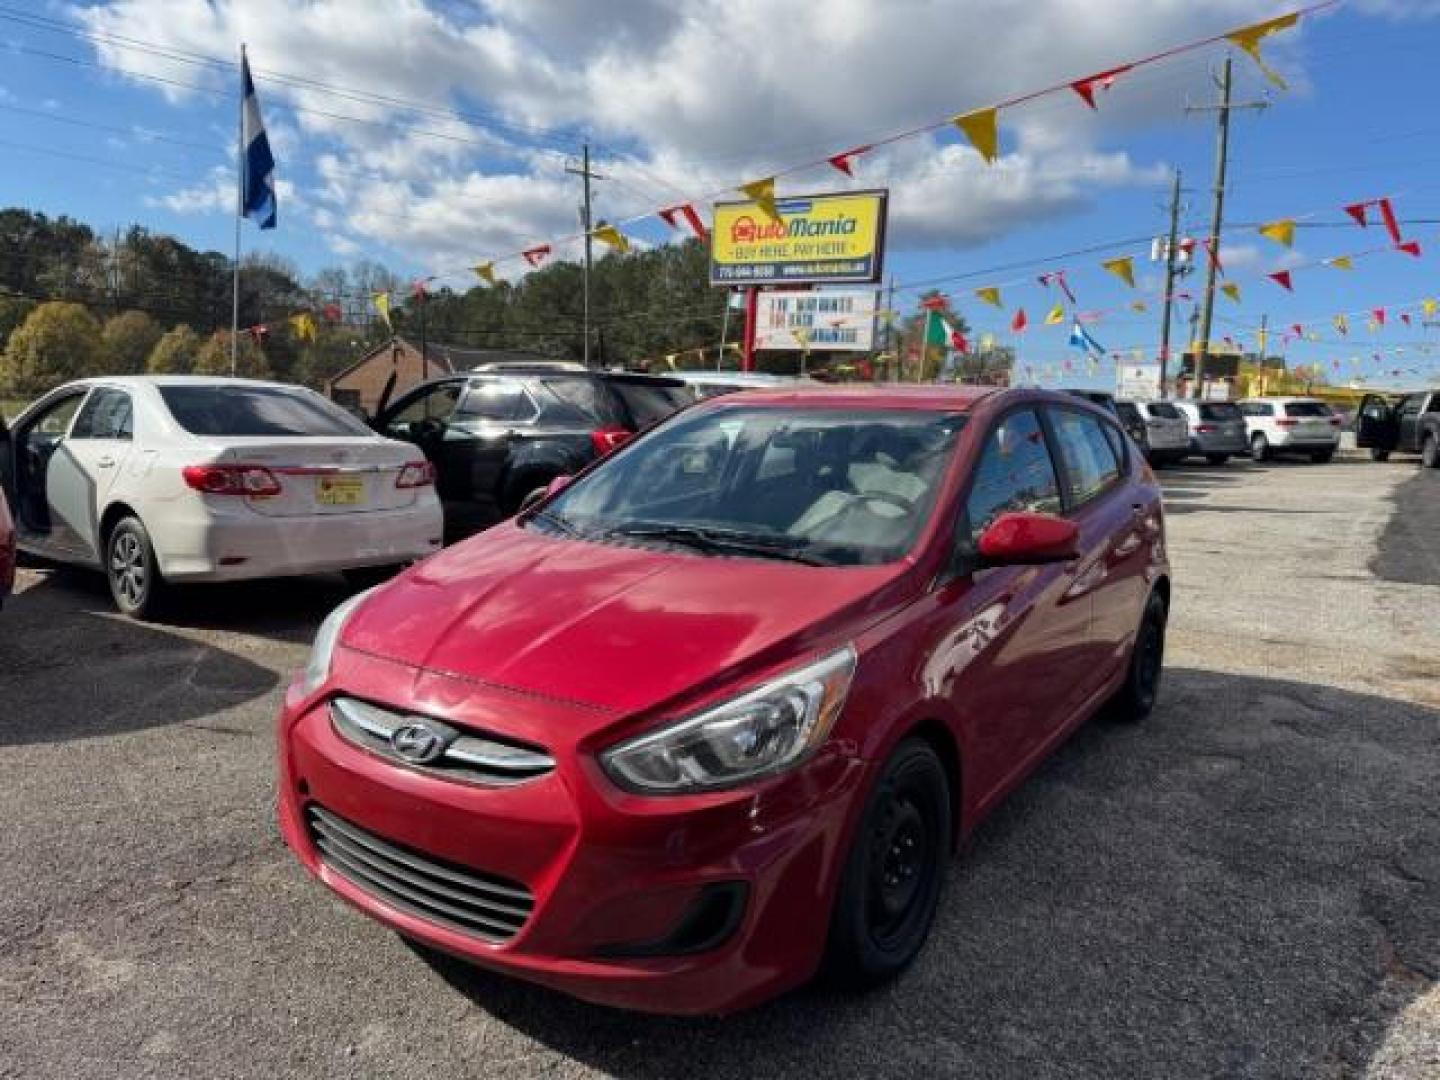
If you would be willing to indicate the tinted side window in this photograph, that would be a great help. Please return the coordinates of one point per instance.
(1117, 442)
(1411, 405)
(1015, 473)
(1164, 410)
(437, 403)
(1090, 460)
(1307, 408)
(105, 415)
(1258, 408)
(649, 403)
(581, 399)
(500, 400)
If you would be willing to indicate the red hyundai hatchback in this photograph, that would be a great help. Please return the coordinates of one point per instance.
(722, 707)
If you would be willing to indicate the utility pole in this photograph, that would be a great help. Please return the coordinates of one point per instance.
(585, 218)
(890, 331)
(1169, 279)
(1217, 219)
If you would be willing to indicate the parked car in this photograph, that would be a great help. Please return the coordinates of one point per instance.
(725, 705)
(1165, 434)
(7, 545)
(708, 384)
(497, 438)
(1217, 430)
(175, 479)
(1291, 425)
(1410, 424)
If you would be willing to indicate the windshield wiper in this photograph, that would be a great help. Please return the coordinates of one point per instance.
(723, 541)
(555, 521)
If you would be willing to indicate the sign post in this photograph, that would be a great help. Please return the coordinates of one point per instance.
(747, 354)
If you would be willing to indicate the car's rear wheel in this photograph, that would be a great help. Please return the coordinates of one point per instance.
(1322, 457)
(1135, 700)
(1217, 459)
(136, 584)
(1430, 452)
(1377, 454)
(1259, 447)
(891, 885)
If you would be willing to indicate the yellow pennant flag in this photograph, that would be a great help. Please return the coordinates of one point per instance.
(1342, 324)
(609, 234)
(486, 271)
(382, 305)
(670, 359)
(304, 326)
(1282, 231)
(1056, 316)
(1428, 307)
(1139, 306)
(982, 129)
(1123, 268)
(1231, 290)
(763, 194)
(1372, 325)
(1249, 39)
(990, 294)
(1341, 262)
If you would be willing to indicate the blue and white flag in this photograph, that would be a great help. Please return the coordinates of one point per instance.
(257, 165)
(1080, 339)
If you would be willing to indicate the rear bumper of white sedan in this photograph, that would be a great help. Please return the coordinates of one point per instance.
(244, 545)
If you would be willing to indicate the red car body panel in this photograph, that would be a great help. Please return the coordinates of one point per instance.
(7, 550)
(572, 646)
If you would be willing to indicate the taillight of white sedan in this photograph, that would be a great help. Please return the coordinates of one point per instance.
(161, 480)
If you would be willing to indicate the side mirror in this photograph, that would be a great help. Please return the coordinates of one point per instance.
(1022, 538)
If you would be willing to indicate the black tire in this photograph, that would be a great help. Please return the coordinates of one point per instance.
(893, 876)
(1217, 459)
(136, 584)
(1377, 454)
(367, 577)
(1259, 447)
(1430, 452)
(1135, 700)
(1322, 457)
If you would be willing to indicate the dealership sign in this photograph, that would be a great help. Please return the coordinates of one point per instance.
(794, 320)
(1138, 382)
(816, 238)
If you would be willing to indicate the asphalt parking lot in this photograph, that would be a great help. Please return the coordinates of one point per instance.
(1246, 886)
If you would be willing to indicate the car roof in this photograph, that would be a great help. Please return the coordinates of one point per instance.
(565, 373)
(739, 378)
(863, 396)
(177, 380)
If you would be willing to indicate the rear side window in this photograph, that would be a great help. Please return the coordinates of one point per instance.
(1163, 410)
(580, 400)
(1219, 410)
(257, 410)
(1091, 464)
(1128, 412)
(1258, 408)
(1307, 408)
(106, 414)
(1015, 473)
(499, 400)
(649, 403)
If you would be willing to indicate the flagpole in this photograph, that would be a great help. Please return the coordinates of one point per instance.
(239, 214)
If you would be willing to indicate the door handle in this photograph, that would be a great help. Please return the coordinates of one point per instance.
(106, 462)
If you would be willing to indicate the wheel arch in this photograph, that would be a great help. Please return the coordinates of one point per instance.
(937, 734)
(114, 513)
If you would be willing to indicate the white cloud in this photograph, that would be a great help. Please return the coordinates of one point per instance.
(698, 94)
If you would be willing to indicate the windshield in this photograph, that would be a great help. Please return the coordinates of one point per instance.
(1220, 411)
(1307, 408)
(814, 485)
(257, 410)
(1163, 410)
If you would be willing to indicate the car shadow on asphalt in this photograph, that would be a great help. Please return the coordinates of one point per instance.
(1248, 884)
(72, 669)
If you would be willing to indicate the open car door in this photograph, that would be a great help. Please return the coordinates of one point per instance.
(7, 462)
(1377, 426)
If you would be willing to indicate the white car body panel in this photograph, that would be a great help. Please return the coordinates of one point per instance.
(204, 537)
(1305, 433)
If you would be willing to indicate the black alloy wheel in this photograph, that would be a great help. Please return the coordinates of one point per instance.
(891, 886)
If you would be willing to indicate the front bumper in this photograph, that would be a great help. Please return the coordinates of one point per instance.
(610, 874)
(204, 546)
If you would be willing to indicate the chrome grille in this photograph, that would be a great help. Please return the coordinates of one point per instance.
(473, 902)
(474, 758)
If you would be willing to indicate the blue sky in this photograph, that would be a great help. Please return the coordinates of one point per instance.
(430, 192)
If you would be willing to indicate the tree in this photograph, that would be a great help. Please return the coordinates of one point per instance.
(57, 342)
(13, 311)
(214, 357)
(174, 353)
(127, 341)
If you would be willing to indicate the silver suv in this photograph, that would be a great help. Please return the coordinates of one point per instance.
(1217, 430)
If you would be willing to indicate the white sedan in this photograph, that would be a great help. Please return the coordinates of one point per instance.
(171, 479)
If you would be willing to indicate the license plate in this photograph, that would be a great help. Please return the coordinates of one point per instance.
(340, 491)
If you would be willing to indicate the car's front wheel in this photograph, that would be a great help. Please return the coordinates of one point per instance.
(891, 885)
(133, 571)
(1259, 447)
(1430, 452)
(1135, 699)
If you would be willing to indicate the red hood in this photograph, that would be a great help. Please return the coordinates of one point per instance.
(623, 628)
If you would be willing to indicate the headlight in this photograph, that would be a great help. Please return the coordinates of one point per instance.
(763, 731)
(317, 670)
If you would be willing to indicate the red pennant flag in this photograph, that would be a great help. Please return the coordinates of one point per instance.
(418, 290)
(536, 255)
(1409, 247)
(1391, 225)
(1187, 245)
(938, 302)
(844, 161)
(957, 340)
(331, 312)
(259, 333)
(1086, 87)
(1379, 314)
(1019, 323)
(1209, 243)
(1282, 278)
(1298, 330)
(1405, 317)
(1057, 277)
(1357, 211)
(692, 219)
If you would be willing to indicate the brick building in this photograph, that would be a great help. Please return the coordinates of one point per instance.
(360, 386)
